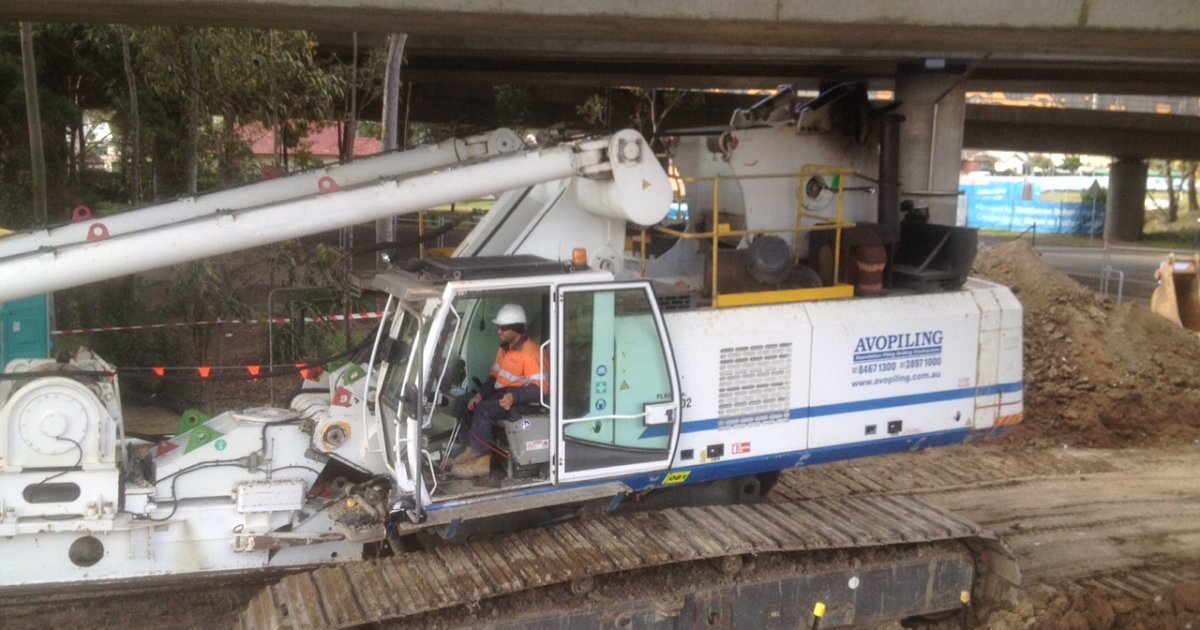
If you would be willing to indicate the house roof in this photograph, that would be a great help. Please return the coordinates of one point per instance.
(321, 141)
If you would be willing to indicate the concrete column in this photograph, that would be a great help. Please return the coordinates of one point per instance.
(1126, 199)
(933, 106)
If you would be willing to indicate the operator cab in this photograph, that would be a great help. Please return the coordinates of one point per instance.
(612, 405)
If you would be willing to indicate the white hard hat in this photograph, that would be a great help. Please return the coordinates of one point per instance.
(510, 314)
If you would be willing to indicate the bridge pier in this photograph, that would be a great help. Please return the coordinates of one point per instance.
(931, 140)
(1126, 199)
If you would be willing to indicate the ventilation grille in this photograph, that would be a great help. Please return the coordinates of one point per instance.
(673, 298)
(755, 386)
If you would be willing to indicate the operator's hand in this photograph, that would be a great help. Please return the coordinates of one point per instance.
(474, 401)
(506, 401)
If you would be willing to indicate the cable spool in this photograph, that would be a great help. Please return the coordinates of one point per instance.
(55, 418)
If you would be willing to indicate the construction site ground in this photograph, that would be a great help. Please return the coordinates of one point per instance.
(1097, 493)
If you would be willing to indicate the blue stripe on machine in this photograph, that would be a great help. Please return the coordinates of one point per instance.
(767, 463)
(1003, 388)
(824, 455)
(711, 424)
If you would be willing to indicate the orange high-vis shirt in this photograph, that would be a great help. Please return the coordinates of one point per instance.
(519, 365)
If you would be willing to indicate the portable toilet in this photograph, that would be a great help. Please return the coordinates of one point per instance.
(25, 327)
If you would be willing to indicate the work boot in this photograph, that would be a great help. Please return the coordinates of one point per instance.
(462, 458)
(473, 468)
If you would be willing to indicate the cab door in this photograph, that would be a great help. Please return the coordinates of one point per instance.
(616, 385)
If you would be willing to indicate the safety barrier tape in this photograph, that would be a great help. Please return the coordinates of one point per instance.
(214, 322)
(310, 371)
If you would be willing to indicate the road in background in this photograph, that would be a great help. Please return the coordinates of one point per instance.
(1091, 266)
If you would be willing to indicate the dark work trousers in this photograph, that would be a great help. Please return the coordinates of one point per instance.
(483, 418)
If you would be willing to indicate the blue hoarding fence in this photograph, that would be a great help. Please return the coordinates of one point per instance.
(1016, 205)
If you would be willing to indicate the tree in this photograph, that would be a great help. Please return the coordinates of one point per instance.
(647, 108)
(1040, 163)
(135, 121)
(1190, 169)
(74, 66)
(273, 77)
(33, 114)
(1172, 193)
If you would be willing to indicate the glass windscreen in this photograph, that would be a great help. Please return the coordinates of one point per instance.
(398, 353)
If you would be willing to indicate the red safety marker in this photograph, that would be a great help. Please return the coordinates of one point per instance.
(159, 371)
(97, 232)
(327, 185)
(342, 397)
(81, 213)
(204, 371)
(254, 370)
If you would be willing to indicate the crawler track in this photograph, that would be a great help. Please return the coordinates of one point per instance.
(1120, 520)
(409, 586)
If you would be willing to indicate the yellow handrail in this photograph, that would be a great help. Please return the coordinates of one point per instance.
(836, 222)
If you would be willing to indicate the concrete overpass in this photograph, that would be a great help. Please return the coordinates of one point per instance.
(1113, 46)
(1053, 130)
(929, 51)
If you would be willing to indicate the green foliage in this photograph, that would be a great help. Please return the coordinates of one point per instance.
(645, 109)
(1071, 163)
(207, 79)
(1100, 197)
(370, 129)
(594, 110)
(316, 286)
(242, 75)
(1040, 163)
(203, 291)
(72, 62)
(514, 103)
(121, 302)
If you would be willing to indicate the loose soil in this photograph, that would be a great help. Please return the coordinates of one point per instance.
(1096, 373)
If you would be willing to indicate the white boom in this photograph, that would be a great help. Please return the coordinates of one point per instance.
(271, 212)
(441, 155)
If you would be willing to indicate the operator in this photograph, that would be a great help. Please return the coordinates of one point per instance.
(516, 378)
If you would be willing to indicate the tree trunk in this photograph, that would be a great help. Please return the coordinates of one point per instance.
(193, 99)
(283, 146)
(1191, 186)
(391, 90)
(384, 229)
(350, 131)
(1172, 196)
(81, 147)
(33, 116)
(135, 123)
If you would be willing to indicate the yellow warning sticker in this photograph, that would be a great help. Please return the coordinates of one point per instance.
(676, 477)
(624, 385)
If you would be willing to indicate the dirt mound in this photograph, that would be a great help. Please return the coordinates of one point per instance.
(1077, 608)
(1096, 373)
